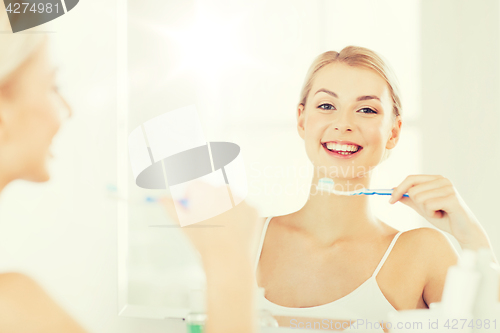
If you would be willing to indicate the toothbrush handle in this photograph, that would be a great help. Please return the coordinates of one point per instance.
(382, 192)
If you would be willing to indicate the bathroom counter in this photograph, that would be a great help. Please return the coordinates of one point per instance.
(303, 330)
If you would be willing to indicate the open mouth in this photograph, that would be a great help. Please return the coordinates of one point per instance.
(342, 149)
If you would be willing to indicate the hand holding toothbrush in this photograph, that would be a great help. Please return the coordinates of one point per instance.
(435, 198)
(225, 236)
(225, 243)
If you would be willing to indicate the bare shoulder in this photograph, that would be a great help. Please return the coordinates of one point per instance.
(430, 245)
(26, 307)
(15, 277)
(430, 241)
(435, 254)
(19, 291)
(13, 285)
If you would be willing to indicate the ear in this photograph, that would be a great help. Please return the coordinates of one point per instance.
(301, 120)
(7, 111)
(395, 133)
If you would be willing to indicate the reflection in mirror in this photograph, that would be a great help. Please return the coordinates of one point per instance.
(242, 65)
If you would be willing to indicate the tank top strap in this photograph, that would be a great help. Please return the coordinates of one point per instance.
(261, 242)
(386, 254)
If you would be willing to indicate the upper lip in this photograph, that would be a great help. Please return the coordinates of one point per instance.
(341, 142)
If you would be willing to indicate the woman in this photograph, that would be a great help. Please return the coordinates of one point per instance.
(333, 258)
(349, 117)
(30, 115)
(31, 112)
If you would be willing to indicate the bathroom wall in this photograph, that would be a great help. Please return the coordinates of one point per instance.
(460, 57)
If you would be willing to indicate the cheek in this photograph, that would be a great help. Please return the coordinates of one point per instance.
(376, 135)
(313, 127)
(48, 114)
(44, 122)
(53, 113)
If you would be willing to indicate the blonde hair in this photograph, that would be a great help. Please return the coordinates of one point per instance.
(358, 57)
(15, 48)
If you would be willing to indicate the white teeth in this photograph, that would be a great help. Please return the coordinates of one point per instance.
(337, 147)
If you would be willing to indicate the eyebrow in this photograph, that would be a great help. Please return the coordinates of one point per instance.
(360, 98)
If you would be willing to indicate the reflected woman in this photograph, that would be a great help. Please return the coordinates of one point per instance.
(352, 264)
(333, 258)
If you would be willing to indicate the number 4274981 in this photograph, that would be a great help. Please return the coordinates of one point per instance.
(17, 8)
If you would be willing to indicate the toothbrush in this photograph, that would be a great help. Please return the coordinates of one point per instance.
(114, 194)
(326, 184)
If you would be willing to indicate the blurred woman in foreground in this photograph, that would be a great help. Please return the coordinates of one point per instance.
(31, 112)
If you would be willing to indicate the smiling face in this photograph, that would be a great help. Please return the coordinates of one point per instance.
(347, 109)
(30, 115)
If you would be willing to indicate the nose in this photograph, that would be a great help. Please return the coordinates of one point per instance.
(343, 122)
(67, 106)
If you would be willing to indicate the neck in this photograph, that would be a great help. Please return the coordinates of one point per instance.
(329, 217)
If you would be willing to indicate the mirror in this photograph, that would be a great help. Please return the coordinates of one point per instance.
(243, 65)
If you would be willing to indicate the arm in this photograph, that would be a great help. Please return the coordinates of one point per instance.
(231, 295)
(26, 308)
(481, 240)
(437, 200)
(231, 290)
(227, 254)
(441, 255)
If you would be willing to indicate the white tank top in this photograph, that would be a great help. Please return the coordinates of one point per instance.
(365, 302)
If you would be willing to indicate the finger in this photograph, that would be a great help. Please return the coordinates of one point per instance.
(437, 207)
(428, 186)
(409, 182)
(423, 196)
(407, 201)
(426, 210)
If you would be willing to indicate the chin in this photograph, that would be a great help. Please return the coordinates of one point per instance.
(44, 176)
(39, 177)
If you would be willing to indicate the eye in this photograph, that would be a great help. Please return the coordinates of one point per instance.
(368, 110)
(326, 106)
